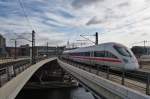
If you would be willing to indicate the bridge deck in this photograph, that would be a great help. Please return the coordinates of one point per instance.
(12, 88)
(101, 85)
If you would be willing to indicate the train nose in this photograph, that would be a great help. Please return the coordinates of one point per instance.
(132, 66)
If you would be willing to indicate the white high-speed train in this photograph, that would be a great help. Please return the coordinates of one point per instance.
(110, 54)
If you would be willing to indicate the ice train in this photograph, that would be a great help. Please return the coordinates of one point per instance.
(110, 54)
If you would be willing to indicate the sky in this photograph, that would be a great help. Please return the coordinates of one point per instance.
(59, 21)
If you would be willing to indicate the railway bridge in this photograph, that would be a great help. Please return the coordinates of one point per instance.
(97, 85)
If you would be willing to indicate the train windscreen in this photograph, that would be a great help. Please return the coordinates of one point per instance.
(123, 51)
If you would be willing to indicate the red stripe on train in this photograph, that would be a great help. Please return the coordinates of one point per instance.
(98, 59)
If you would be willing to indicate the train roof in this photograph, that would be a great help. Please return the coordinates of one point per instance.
(94, 46)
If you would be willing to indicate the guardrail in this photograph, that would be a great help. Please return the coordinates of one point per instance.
(99, 85)
(10, 69)
(133, 75)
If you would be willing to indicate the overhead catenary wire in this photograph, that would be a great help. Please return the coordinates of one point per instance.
(25, 14)
(145, 41)
(132, 23)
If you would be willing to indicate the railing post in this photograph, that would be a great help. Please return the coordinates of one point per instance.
(19, 67)
(97, 69)
(90, 68)
(83, 67)
(123, 76)
(0, 77)
(14, 71)
(8, 73)
(0, 81)
(148, 84)
(107, 72)
(79, 66)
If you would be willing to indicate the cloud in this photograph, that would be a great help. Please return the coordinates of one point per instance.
(94, 20)
(82, 3)
(61, 20)
(144, 34)
(65, 14)
(123, 4)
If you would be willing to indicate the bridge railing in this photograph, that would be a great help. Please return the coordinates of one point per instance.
(10, 69)
(139, 76)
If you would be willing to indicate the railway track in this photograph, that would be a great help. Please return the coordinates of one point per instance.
(139, 75)
(139, 79)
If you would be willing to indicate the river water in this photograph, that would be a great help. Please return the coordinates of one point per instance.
(63, 93)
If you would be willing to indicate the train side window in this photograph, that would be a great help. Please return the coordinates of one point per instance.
(75, 54)
(123, 51)
(82, 53)
(109, 55)
(86, 53)
(99, 54)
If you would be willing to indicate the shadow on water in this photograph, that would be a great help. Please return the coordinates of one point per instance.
(63, 93)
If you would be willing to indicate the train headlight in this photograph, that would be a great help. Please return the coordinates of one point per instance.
(125, 60)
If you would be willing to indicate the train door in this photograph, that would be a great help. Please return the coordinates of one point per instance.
(99, 55)
(91, 62)
(92, 56)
